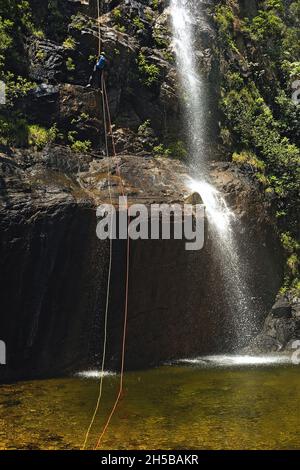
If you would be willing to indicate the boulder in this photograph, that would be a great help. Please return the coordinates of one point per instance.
(281, 327)
(282, 308)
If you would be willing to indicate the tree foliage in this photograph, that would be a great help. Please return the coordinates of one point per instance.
(260, 58)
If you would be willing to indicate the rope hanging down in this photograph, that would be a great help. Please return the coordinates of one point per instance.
(121, 383)
(107, 120)
(108, 282)
(99, 27)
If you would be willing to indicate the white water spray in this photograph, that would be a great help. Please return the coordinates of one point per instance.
(221, 219)
(238, 361)
(222, 226)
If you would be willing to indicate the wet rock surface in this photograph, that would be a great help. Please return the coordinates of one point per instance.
(54, 269)
(281, 330)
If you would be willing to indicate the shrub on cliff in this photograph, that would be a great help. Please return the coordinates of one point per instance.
(149, 72)
(39, 137)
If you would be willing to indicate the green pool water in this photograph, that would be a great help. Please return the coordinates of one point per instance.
(172, 407)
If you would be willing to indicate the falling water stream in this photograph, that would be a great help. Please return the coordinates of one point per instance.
(183, 24)
(185, 15)
(216, 402)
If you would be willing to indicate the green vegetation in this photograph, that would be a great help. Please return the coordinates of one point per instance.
(39, 34)
(121, 28)
(39, 137)
(117, 14)
(117, 17)
(78, 146)
(92, 59)
(138, 23)
(176, 150)
(40, 55)
(80, 22)
(13, 125)
(268, 23)
(83, 117)
(16, 88)
(81, 146)
(143, 128)
(150, 72)
(161, 37)
(15, 21)
(292, 249)
(70, 64)
(69, 43)
(149, 15)
(224, 18)
(167, 55)
(249, 158)
(5, 38)
(261, 125)
(253, 121)
(161, 42)
(13, 129)
(155, 4)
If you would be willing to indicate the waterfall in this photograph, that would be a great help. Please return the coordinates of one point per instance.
(186, 16)
(223, 226)
(183, 23)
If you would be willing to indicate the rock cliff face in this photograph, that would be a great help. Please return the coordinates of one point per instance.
(53, 269)
(142, 77)
(142, 81)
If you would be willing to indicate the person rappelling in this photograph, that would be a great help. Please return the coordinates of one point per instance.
(98, 71)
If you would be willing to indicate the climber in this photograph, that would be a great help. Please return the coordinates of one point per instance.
(98, 71)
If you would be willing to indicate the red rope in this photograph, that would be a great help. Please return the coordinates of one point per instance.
(121, 383)
(105, 103)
